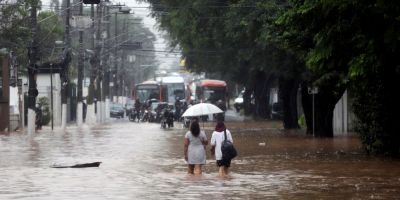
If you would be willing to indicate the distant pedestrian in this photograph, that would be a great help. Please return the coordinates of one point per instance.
(39, 117)
(195, 148)
(221, 116)
(84, 110)
(217, 138)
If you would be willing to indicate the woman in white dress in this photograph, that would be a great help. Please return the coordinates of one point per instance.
(195, 148)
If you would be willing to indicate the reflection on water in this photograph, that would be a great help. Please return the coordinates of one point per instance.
(142, 161)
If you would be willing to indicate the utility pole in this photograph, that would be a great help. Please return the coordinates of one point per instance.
(115, 74)
(123, 58)
(106, 82)
(90, 115)
(79, 113)
(32, 70)
(98, 64)
(64, 73)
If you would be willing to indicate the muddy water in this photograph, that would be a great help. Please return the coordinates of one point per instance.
(142, 161)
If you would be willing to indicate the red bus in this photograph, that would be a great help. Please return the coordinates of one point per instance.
(149, 90)
(211, 91)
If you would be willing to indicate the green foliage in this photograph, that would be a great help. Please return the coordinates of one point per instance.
(343, 43)
(15, 34)
(50, 30)
(302, 121)
(350, 43)
(231, 38)
(14, 29)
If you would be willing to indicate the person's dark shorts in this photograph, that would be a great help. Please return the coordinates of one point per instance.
(226, 163)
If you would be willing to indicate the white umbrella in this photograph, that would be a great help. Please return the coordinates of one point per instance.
(201, 109)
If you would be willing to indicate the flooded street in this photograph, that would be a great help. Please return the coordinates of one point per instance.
(143, 161)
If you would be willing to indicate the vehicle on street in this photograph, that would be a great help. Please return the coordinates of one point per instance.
(211, 91)
(134, 115)
(276, 111)
(128, 107)
(158, 109)
(167, 119)
(117, 110)
(145, 116)
(149, 90)
(175, 88)
(238, 102)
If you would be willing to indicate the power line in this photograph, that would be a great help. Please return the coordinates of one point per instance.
(55, 14)
(187, 7)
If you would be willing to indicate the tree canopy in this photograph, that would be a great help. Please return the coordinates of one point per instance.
(332, 44)
(353, 44)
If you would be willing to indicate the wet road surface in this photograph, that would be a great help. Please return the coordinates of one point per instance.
(143, 161)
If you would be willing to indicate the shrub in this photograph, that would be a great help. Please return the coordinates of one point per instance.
(45, 105)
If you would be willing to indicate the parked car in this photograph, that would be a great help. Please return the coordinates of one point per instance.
(117, 111)
(276, 111)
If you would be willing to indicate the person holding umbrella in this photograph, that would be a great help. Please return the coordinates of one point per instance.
(201, 109)
(195, 148)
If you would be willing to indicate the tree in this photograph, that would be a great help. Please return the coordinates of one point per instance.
(234, 39)
(352, 44)
(50, 30)
(14, 32)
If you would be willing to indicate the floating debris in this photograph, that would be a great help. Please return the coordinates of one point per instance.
(84, 165)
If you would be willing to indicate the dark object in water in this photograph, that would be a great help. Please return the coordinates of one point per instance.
(93, 164)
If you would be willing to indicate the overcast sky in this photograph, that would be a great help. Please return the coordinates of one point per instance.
(166, 61)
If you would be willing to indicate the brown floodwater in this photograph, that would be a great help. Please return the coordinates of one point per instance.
(143, 161)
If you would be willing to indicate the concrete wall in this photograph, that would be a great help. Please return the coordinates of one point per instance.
(14, 122)
(343, 117)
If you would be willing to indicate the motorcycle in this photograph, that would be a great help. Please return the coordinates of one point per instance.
(152, 116)
(167, 119)
(186, 122)
(134, 115)
(146, 116)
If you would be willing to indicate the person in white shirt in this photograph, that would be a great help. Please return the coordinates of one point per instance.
(217, 138)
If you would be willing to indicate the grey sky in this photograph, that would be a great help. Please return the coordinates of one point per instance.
(165, 60)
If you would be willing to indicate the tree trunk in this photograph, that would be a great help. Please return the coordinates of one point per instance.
(261, 94)
(324, 105)
(306, 100)
(323, 108)
(288, 96)
(247, 100)
(64, 100)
